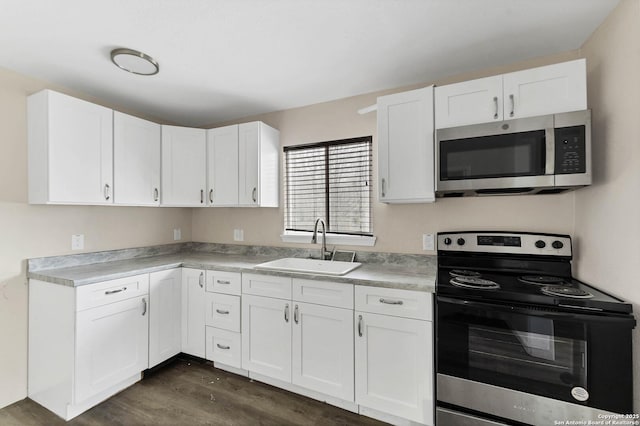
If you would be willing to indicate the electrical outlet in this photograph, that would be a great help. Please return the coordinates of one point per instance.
(177, 234)
(428, 242)
(77, 242)
(238, 235)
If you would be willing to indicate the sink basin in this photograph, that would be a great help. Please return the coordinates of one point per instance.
(309, 266)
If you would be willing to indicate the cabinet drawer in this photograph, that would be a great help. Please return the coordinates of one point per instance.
(323, 293)
(224, 282)
(223, 311)
(266, 285)
(391, 301)
(224, 347)
(98, 294)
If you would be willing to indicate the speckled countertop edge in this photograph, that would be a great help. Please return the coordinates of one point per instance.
(412, 276)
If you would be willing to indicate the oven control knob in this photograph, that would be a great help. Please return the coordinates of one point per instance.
(541, 244)
(461, 241)
(447, 241)
(557, 244)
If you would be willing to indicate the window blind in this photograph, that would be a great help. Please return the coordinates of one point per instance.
(332, 181)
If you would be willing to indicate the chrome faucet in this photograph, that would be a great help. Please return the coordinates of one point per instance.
(324, 254)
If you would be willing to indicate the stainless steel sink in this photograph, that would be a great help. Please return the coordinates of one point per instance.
(309, 266)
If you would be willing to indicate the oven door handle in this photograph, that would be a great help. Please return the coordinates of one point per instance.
(569, 315)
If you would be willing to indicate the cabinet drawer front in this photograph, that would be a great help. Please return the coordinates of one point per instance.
(391, 301)
(224, 347)
(266, 285)
(224, 282)
(223, 311)
(323, 293)
(98, 294)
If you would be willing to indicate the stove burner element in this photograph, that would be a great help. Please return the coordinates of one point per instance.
(463, 273)
(541, 279)
(564, 291)
(474, 282)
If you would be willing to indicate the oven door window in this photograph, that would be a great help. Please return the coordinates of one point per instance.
(529, 353)
(511, 155)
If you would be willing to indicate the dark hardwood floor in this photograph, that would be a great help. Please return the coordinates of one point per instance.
(192, 392)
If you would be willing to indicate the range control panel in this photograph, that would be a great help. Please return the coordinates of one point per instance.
(506, 242)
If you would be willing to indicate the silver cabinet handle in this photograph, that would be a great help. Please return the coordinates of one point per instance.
(223, 282)
(223, 346)
(202, 196)
(156, 194)
(360, 325)
(211, 196)
(391, 302)
(295, 314)
(253, 194)
(107, 191)
(513, 105)
(383, 187)
(115, 291)
(144, 305)
(221, 312)
(201, 279)
(286, 313)
(495, 103)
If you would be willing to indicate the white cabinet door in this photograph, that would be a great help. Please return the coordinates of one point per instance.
(405, 141)
(111, 345)
(70, 150)
(546, 90)
(249, 156)
(222, 166)
(136, 161)
(469, 102)
(394, 368)
(323, 349)
(184, 166)
(193, 312)
(165, 315)
(266, 336)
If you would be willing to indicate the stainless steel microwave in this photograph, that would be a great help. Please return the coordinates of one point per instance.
(537, 155)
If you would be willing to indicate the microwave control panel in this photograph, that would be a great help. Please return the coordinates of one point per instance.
(570, 150)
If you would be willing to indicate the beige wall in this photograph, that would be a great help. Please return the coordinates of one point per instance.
(32, 231)
(398, 228)
(608, 213)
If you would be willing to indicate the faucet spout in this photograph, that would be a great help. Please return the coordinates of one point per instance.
(314, 238)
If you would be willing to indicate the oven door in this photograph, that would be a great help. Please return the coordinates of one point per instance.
(511, 154)
(561, 356)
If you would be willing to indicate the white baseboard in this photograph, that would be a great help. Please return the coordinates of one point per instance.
(234, 370)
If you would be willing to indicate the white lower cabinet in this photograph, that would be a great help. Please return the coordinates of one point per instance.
(266, 336)
(193, 312)
(323, 349)
(165, 315)
(224, 347)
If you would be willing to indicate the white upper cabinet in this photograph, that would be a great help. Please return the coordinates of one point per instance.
(546, 90)
(469, 102)
(405, 147)
(184, 166)
(258, 165)
(537, 91)
(136, 161)
(70, 150)
(222, 166)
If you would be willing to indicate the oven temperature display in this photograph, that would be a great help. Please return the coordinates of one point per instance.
(499, 240)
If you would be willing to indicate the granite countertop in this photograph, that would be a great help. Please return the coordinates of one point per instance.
(415, 276)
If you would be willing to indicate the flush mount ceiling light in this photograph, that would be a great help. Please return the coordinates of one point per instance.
(134, 62)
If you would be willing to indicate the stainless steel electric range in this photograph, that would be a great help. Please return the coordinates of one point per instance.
(519, 341)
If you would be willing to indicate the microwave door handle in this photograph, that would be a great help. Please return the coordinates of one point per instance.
(550, 151)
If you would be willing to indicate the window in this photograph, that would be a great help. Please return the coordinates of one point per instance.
(332, 181)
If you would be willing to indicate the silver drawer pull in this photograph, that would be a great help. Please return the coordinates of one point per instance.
(221, 312)
(144, 305)
(223, 282)
(223, 346)
(115, 291)
(391, 302)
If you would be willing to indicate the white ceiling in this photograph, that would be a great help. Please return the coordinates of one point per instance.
(226, 59)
